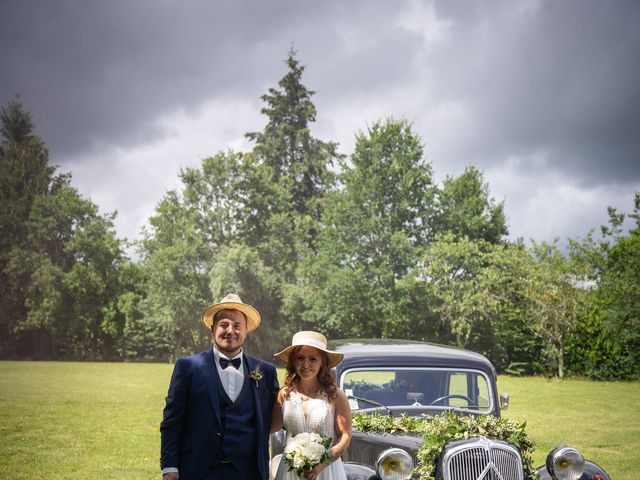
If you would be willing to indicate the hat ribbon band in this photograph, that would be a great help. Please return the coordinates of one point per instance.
(315, 343)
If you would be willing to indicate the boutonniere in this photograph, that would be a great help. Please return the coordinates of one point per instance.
(256, 374)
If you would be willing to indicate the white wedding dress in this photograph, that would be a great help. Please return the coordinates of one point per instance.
(320, 419)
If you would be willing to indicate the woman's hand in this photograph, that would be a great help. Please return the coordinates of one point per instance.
(312, 474)
(315, 471)
(334, 453)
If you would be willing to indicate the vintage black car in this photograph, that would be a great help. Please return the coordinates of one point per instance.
(421, 380)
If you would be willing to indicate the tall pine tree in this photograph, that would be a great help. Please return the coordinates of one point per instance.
(287, 155)
(25, 174)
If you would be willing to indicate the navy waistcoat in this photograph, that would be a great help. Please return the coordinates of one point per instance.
(238, 426)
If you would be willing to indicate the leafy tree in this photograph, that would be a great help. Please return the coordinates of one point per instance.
(186, 243)
(70, 262)
(604, 343)
(94, 285)
(35, 333)
(214, 198)
(513, 345)
(479, 290)
(239, 268)
(593, 289)
(142, 337)
(466, 209)
(60, 259)
(619, 294)
(175, 268)
(559, 292)
(456, 272)
(362, 282)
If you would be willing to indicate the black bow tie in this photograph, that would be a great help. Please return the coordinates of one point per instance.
(224, 363)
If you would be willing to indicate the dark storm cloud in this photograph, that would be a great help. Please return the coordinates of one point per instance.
(103, 71)
(543, 95)
(555, 77)
(561, 77)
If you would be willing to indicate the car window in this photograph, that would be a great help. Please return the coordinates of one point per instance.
(469, 385)
(437, 388)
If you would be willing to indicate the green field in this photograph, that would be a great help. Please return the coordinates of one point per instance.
(601, 419)
(89, 421)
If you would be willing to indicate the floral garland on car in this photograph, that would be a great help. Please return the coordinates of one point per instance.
(438, 430)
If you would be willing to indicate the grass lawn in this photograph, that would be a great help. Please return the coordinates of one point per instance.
(87, 421)
(81, 421)
(601, 419)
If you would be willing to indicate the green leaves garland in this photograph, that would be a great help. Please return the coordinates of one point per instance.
(438, 430)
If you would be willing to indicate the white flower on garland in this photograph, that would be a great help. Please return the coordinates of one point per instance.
(306, 450)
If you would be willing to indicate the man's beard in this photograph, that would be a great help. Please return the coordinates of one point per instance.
(227, 349)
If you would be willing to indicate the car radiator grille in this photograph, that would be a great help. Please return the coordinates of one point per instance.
(482, 459)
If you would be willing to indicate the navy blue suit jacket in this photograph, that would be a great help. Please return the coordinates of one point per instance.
(190, 425)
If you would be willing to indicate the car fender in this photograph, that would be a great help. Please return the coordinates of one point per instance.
(356, 471)
(592, 471)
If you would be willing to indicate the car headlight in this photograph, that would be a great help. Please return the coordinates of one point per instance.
(394, 464)
(565, 463)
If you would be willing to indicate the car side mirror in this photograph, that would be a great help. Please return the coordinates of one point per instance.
(504, 401)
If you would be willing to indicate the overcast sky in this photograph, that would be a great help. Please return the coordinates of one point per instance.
(542, 96)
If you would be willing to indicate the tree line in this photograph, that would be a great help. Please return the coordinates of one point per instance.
(360, 245)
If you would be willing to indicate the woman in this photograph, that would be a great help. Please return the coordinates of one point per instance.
(310, 401)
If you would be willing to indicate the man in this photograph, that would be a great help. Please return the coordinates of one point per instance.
(217, 416)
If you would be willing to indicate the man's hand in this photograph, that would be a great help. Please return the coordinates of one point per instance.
(170, 476)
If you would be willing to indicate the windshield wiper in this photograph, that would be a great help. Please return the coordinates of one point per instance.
(371, 402)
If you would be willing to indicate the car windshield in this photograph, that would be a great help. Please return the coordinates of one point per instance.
(417, 387)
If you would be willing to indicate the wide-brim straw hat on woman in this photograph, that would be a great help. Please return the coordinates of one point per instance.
(310, 339)
(232, 302)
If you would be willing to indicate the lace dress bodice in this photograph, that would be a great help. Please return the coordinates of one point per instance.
(319, 418)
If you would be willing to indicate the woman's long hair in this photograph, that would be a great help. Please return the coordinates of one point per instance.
(326, 376)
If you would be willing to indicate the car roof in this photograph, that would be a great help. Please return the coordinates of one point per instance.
(406, 353)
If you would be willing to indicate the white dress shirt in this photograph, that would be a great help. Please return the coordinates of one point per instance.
(231, 378)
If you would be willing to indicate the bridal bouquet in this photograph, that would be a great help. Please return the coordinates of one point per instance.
(306, 450)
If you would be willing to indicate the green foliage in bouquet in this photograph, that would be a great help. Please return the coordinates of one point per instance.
(438, 430)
